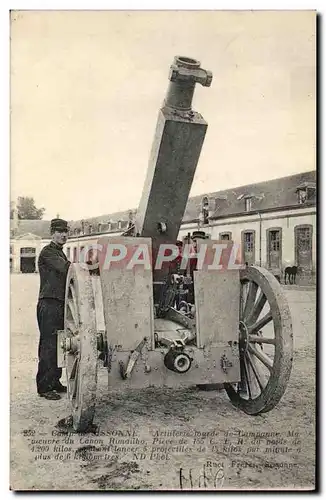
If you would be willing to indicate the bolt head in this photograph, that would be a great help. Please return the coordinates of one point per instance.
(209, 78)
(173, 74)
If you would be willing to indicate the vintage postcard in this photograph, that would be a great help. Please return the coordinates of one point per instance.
(163, 250)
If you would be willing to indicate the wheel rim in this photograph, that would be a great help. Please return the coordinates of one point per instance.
(265, 343)
(72, 325)
(81, 346)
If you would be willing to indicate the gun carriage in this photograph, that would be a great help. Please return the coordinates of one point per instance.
(154, 326)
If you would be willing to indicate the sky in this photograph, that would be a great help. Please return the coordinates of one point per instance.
(86, 88)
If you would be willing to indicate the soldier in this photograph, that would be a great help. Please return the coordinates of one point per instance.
(53, 267)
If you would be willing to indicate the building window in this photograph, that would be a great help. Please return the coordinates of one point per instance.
(248, 242)
(27, 251)
(274, 241)
(248, 204)
(306, 192)
(81, 252)
(68, 253)
(225, 236)
(11, 249)
(90, 229)
(74, 259)
(302, 196)
(311, 193)
(119, 224)
(99, 227)
(109, 226)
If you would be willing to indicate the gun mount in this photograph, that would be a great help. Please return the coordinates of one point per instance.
(234, 327)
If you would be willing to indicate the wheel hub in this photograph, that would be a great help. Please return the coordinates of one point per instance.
(70, 344)
(177, 361)
(243, 337)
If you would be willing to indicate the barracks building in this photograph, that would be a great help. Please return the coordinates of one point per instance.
(274, 221)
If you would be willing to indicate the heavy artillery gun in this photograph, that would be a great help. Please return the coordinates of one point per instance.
(235, 330)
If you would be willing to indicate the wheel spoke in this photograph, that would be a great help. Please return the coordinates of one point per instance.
(260, 324)
(73, 370)
(253, 287)
(261, 356)
(246, 372)
(257, 309)
(261, 340)
(242, 300)
(70, 325)
(255, 371)
(75, 388)
(71, 307)
(243, 383)
(73, 292)
(72, 295)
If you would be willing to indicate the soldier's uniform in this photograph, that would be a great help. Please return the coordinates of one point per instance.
(53, 267)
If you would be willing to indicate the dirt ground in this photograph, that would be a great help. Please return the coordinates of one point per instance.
(204, 442)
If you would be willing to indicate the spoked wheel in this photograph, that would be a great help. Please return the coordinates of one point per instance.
(265, 343)
(81, 347)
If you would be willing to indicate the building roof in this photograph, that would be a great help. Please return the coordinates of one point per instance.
(104, 220)
(267, 195)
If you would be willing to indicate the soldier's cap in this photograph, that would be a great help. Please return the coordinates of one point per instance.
(59, 225)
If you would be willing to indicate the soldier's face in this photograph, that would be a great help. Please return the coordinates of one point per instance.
(60, 237)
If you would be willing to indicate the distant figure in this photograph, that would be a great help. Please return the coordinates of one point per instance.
(291, 273)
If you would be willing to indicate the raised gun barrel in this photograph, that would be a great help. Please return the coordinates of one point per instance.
(176, 148)
(184, 74)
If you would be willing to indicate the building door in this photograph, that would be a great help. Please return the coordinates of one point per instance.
(274, 248)
(248, 247)
(303, 247)
(27, 260)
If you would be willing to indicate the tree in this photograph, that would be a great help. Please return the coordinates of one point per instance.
(27, 209)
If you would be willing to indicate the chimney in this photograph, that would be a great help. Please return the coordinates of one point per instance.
(131, 218)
